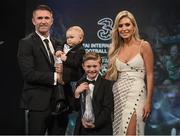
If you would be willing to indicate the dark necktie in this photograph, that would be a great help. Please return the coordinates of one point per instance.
(90, 81)
(51, 58)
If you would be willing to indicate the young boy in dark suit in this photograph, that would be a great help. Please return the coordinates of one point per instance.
(101, 96)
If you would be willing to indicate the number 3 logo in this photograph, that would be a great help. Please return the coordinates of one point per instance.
(105, 33)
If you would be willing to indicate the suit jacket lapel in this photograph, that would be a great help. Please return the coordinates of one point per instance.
(43, 49)
(73, 49)
(97, 85)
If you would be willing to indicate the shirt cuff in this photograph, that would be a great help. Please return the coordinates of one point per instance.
(55, 78)
(77, 95)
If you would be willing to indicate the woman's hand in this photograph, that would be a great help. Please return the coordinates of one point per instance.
(146, 110)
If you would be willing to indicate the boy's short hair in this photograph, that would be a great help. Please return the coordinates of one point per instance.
(92, 56)
(77, 28)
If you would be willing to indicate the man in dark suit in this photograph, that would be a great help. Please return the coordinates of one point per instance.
(100, 92)
(35, 57)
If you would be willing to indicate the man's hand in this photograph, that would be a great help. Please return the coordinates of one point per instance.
(59, 68)
(59, 71)
(59, 79)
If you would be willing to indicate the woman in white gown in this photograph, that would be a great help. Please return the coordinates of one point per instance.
(130, 62)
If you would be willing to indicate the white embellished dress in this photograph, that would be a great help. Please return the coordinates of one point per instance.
(129, 95)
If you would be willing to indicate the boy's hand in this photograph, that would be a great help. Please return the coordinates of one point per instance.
(81, 88)
(87, 124)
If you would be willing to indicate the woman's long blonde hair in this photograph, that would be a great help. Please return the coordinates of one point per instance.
(117, 43)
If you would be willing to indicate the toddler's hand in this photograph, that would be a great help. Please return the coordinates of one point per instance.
(59, 53)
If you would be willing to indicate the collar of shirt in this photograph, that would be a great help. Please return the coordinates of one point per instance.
(92, 79)
(42, 37)
(66, 48)
(50, 44)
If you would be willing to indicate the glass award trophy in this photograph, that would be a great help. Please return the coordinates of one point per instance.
(89, 113)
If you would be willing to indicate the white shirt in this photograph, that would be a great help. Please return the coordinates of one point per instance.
(52, 51)
(50, 44)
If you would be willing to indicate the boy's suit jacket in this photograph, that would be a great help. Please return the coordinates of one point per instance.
(37, 71)
(102, 103)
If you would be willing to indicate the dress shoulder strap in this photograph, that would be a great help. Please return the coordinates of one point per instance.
(140, 45)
